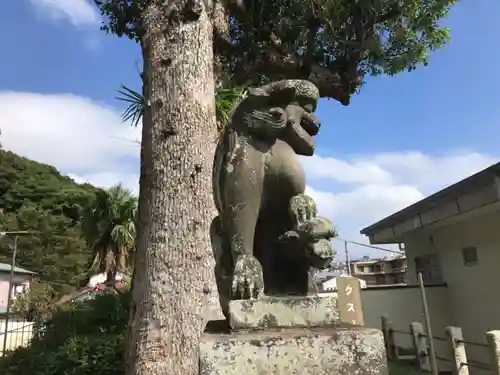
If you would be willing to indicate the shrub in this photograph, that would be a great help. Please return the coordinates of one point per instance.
(79, 355)
(105, 314)
(85, 338)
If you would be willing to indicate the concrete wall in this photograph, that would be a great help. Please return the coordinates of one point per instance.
(4, 285)
(474, 295)
(403, 305)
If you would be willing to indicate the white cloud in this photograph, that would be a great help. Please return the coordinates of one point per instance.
(351, 210)
(358, 171)
(87, 141)
(367, 202)
(129, 180)
(77, 135)
(410, 167)
(78, 12)
(432, 173)
(379, 185)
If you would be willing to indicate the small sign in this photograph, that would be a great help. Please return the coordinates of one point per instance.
(349, 300)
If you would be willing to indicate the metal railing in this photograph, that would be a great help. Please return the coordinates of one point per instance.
(456, 348)
(19, 333)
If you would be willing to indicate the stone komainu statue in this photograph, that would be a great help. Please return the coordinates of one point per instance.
(267, 236)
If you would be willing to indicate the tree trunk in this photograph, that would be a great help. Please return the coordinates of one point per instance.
(173, 280)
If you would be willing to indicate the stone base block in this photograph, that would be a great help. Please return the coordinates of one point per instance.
(280, 312)
(294, 351)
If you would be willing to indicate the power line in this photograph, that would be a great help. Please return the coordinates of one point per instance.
(368, 246)
(134, 141)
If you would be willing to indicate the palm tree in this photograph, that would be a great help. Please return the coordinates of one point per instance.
(109, 226)
(225, 99)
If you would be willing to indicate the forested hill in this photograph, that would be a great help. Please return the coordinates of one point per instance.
(36, 197)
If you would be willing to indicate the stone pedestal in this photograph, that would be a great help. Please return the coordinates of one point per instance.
(275, 312)
(290, 336)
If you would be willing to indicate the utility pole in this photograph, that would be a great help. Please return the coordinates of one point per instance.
(9, 298)
(347, 262)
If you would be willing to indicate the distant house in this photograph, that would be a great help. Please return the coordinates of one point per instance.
(331, 284)
(100, 278)
(20, 282)
(96, 286)
(327, 280)
(385, 271)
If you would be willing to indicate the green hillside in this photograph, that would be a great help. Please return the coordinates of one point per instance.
(36, 197)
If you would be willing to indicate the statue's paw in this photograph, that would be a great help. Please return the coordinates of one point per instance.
(316, 229)
(302, 208)
(248, 279)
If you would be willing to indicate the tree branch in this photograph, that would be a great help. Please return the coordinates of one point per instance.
(331, 83)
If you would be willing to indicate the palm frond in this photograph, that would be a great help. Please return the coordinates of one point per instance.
(135, 109)
(109, 227)
(225, 100)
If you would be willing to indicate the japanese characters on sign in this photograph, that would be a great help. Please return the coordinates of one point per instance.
(349, 300)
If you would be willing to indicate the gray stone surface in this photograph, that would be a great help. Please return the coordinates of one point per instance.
(294, 351)
(267, 237)
(279, 312)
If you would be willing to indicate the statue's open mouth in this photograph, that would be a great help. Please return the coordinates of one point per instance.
(302, 125)
(310, 124)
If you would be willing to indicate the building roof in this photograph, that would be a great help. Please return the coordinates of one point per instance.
(480, 179)
(4, 267)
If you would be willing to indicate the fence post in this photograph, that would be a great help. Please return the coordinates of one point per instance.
(390, 345)
(457, 348)
(493, 340)
(420, 345)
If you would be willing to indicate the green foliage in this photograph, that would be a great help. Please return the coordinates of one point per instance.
(339, 40)
(135, 102)
(36, 197)
(109, 227)
(225, 99)
(80, 338)
(82, 355)
(83, 339)
(36, 302)
(106, 313)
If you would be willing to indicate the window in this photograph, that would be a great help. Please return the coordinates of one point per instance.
(469, 256)
(17, 289)
(399, 279)
(429, 266)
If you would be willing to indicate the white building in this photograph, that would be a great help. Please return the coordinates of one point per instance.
(100, 278)
(330, 285)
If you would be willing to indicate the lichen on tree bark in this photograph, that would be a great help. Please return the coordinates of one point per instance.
(173, 281)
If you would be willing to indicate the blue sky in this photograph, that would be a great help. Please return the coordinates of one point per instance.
(401, 138)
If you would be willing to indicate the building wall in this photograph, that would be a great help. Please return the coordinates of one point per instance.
(100, 278)
(4, 285)
(473, 290)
